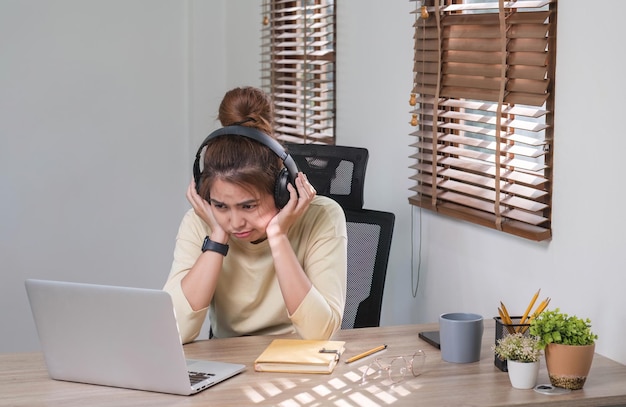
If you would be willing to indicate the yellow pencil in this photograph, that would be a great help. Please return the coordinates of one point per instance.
(540, 308)
(366, 353)
(504, 321)
(506, 314)
(507, 318)
(530, 306)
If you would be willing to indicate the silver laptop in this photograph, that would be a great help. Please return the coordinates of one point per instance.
(117, 336)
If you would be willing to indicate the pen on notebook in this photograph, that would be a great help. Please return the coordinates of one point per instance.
(366, 353)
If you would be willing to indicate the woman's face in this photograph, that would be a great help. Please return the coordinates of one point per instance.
(240, 212)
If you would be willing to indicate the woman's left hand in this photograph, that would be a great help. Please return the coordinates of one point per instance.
(298, 203)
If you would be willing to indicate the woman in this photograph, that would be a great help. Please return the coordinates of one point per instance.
(264, 269)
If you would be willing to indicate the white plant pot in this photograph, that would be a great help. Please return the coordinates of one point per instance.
(523, 375)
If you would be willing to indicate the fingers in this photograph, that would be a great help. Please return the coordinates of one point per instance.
(305, 189)
(198, 203)
(201, 207)
(301, 195)
(192, 194)
(189, 193)
(300, 198)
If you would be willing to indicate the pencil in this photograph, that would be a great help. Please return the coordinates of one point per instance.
(540, 308)
(366, 353)
(504, 321)
(506, 314)
(530, 306)
(507, 319)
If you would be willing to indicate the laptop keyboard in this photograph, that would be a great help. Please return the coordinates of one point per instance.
(197, 377)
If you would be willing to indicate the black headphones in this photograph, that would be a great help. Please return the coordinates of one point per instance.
(287, 175)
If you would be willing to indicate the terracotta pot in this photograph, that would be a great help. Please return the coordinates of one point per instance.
(569, 365)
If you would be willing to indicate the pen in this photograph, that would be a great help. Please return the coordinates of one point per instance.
(366, 353)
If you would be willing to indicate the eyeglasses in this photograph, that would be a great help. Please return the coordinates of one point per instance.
(394, 369)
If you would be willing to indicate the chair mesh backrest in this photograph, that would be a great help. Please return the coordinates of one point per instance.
(369, 243)
(339, 173)
(334, 171)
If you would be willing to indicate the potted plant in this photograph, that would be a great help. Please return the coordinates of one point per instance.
(569, 347)
(522, 353)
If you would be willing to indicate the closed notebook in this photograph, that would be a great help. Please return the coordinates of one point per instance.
(299, 356)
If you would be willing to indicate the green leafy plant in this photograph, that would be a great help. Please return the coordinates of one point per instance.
(554, 326)
(518, 347)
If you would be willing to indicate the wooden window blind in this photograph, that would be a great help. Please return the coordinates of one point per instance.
(483, 107)
(298, 68)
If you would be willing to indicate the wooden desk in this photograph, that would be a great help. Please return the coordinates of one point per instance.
(24, 380)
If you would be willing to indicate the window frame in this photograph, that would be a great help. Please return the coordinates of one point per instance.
(485, 129)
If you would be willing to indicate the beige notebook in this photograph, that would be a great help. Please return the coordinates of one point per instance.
(299, 356)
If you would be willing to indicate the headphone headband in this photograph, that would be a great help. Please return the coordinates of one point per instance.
(254, 134)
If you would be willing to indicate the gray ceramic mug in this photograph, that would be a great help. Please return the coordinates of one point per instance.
(461, 337)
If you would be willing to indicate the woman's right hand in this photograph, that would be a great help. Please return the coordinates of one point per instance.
(203, 209)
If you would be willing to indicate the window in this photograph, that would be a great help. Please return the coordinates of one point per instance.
(298, 68)
(483, 106)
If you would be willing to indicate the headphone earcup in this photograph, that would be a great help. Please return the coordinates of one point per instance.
(196, 172)
(281, 193)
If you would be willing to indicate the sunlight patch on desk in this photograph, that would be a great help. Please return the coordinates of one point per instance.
(337, 383)
(401, 390)
(353, 376)
(383, 395)
(411, 386)
(304, 398)
(253, 395)
(288, 384)
(362, 400)
(289, 403)
(344, 403)
(271, 389)
(323, 391)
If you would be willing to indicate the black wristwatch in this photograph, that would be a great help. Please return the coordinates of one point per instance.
(214, 246)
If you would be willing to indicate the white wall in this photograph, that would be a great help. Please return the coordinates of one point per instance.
(94, 146)
(84, 197)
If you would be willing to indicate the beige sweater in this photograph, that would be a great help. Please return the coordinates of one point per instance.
(247, 300)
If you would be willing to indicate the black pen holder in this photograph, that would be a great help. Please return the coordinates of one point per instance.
(503, 329)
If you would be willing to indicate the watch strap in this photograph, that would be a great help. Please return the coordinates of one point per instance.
(210, 245)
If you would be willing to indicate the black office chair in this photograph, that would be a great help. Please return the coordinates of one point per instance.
(339, 172)
(335, 171)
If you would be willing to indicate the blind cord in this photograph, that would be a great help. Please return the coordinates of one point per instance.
(415, 280)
